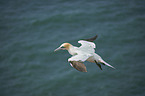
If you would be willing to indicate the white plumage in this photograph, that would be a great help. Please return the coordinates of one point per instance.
(83, 53)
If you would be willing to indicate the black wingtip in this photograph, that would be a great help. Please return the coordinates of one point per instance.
(98, 65)
(91, 39)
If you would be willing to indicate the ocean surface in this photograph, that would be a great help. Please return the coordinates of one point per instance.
(30, 31)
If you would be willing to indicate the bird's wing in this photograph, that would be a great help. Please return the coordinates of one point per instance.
(76, 61)
(79, 66)
(80, 57)
(86, 46)
(91, 39)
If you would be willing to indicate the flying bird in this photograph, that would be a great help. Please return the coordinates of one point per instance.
(83, 53)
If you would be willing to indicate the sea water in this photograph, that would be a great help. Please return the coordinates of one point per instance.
(30, 31)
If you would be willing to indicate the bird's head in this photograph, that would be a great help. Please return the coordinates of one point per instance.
(64, 46)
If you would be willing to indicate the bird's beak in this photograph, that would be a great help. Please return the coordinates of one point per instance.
(59, 48)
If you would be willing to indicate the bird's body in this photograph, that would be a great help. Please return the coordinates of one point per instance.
(83, 53)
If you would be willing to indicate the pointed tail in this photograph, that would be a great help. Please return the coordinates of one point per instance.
(105, 63)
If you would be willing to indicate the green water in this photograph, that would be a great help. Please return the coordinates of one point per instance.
(30, 30)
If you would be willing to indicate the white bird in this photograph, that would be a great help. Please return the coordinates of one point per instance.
(83, 53)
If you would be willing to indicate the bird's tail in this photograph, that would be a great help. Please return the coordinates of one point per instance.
(105, 63)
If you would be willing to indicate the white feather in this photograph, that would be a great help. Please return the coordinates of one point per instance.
(80, 57)
(85, 52)
(87, 47)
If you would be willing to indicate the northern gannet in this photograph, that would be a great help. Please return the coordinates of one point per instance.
(83, 53)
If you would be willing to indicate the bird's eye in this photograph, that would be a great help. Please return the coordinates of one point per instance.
(62, 47)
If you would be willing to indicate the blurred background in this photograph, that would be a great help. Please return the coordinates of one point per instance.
(30, 30)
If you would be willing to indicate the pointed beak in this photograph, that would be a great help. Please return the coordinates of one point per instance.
(59, 48)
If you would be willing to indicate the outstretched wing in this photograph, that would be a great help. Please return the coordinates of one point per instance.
(79, 66)
(92, 39)
(85, 51)
(86, 46)
(76, 61)
(80, 57)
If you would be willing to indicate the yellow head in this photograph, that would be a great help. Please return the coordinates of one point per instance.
(64, 46)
